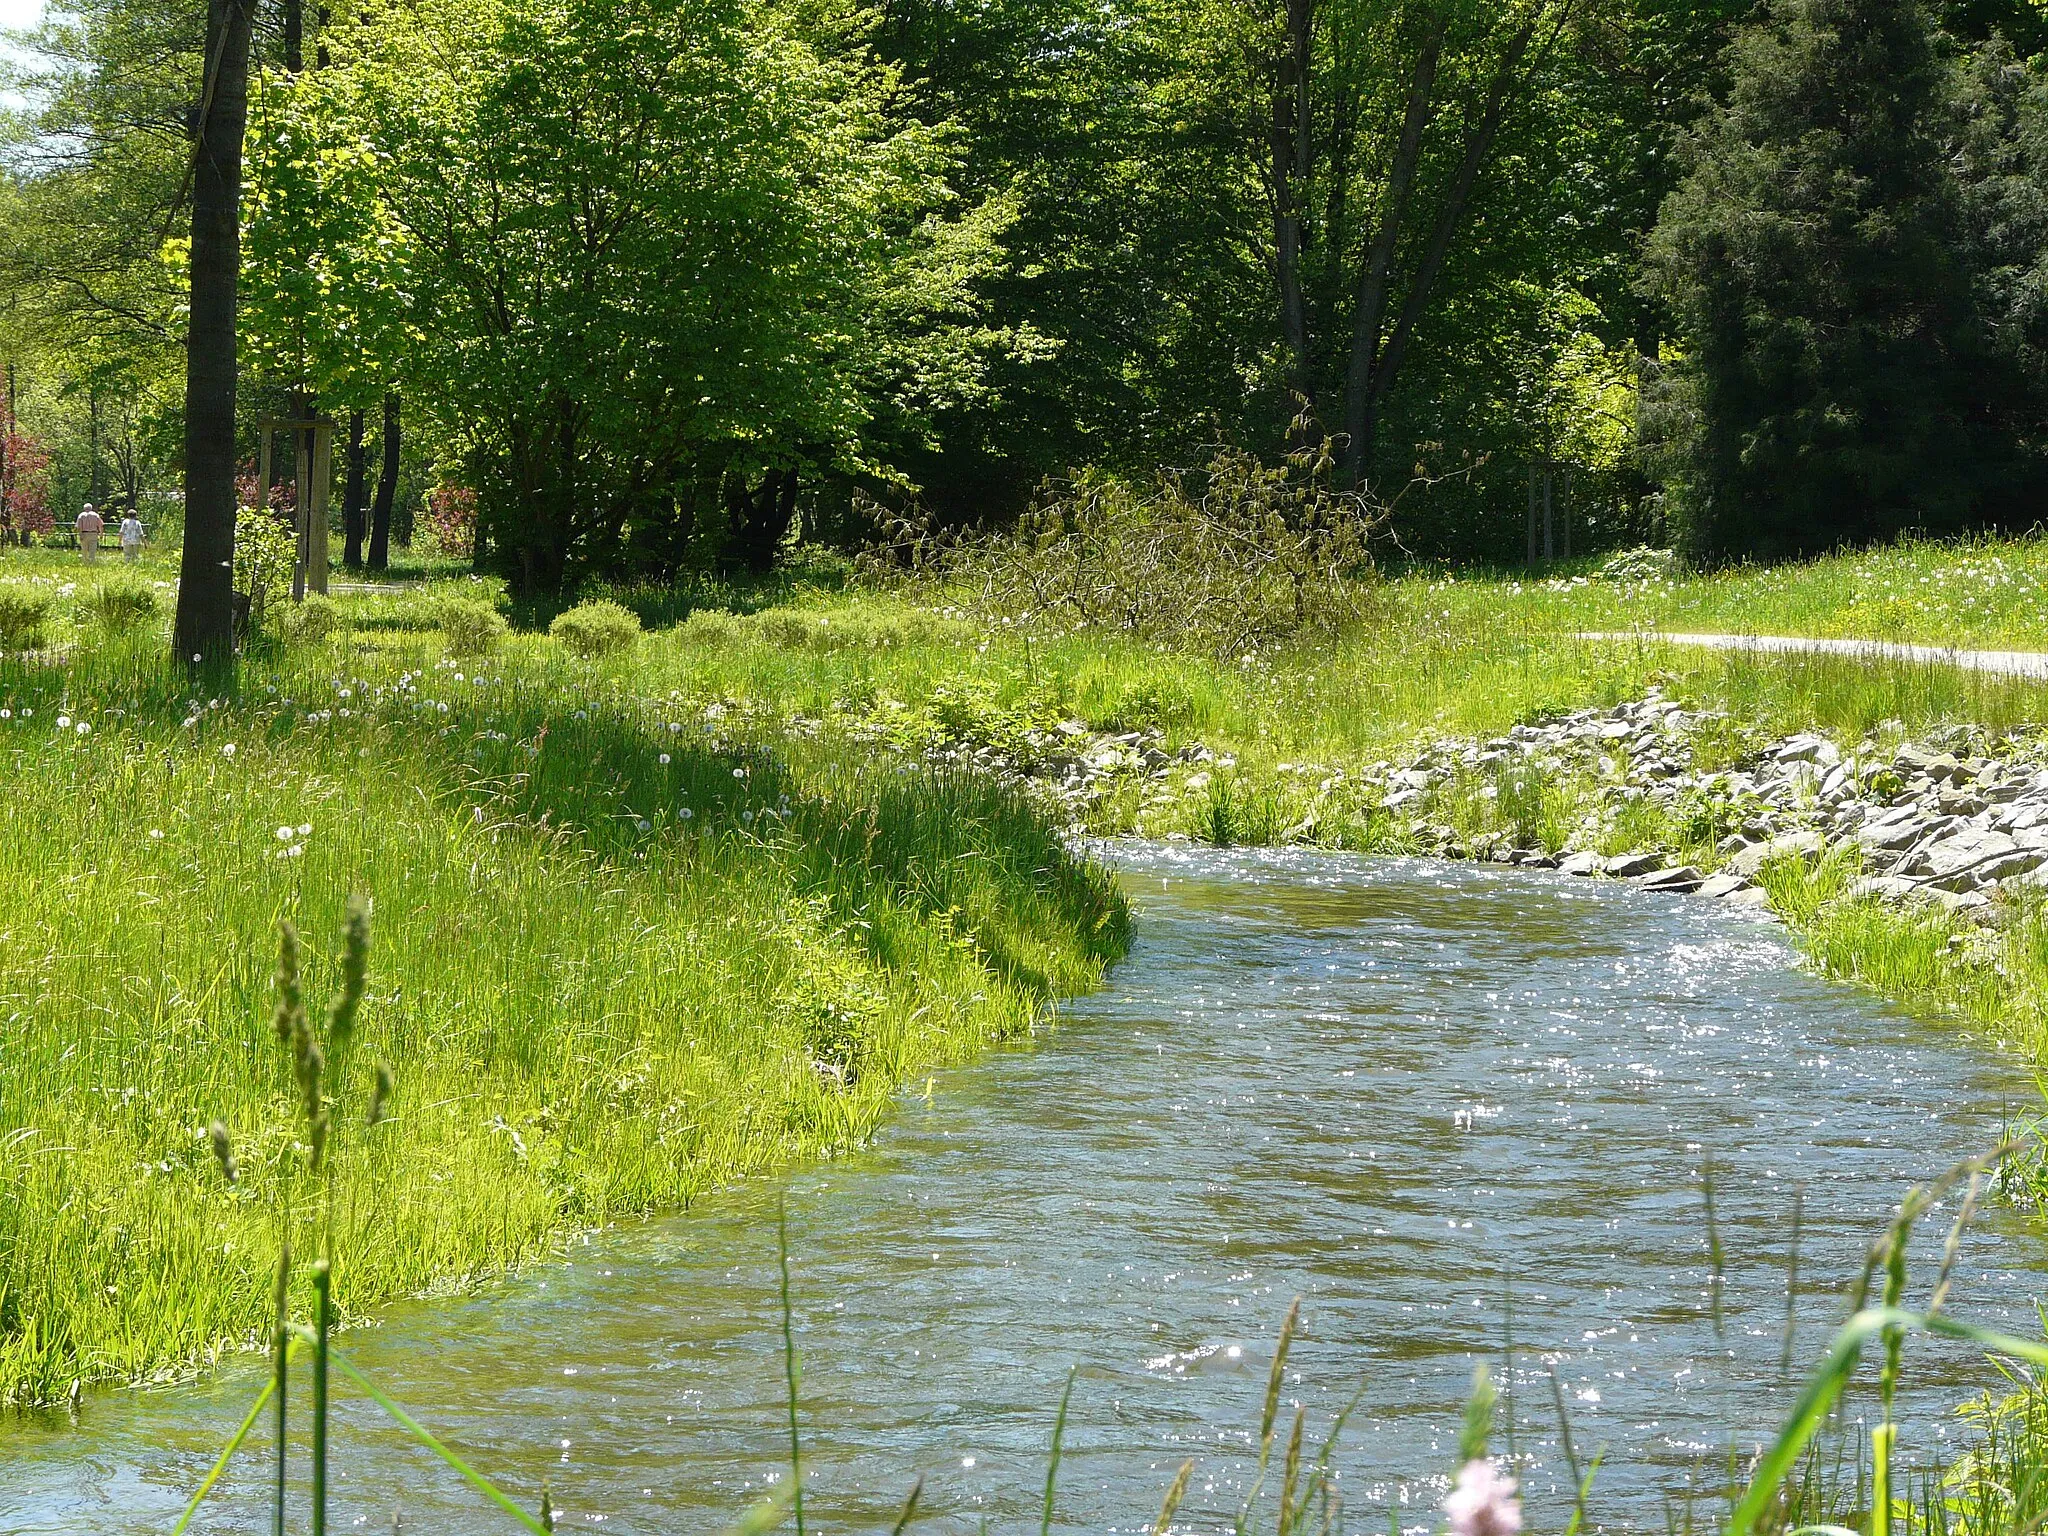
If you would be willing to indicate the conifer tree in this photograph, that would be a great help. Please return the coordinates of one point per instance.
(1840, 382)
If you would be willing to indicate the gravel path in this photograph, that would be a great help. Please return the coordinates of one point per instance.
(2001, 663)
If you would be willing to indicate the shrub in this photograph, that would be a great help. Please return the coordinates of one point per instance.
(309, 622)
(471, 626)
(596, 629)
(712, 629)
(1241, 556)
(118, 606)
(23, 613)
(265, 551)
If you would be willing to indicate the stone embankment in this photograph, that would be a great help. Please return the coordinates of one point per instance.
(1947, 821)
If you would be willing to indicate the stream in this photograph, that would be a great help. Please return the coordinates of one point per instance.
(1442, 1104)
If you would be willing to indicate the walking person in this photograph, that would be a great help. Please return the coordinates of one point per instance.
(131, 537)
(89, 527)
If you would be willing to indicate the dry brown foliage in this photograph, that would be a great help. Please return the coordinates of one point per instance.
(1227, 559)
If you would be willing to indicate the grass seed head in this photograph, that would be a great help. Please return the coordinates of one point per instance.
(381, 1090)
(355, 965)
(224, 1152)
(291, 1005)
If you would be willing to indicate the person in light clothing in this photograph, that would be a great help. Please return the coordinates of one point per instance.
(89, 527)
(131, 537)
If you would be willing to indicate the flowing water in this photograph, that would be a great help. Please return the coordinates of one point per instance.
(1439, 1103)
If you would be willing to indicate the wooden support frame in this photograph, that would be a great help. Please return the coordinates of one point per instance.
(312, 446)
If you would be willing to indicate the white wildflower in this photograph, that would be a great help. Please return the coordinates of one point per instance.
(1483, 1503)
(228, 750)
(664, 759)
(63, 722)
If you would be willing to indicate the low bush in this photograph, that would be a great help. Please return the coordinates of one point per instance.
(118, 606)
(23, 613)
(471, 626)
(712, 629)
(597, 629)
(1230, 560)
(310, 621)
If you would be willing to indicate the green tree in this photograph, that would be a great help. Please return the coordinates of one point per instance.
(661, 260)
(1841, 380)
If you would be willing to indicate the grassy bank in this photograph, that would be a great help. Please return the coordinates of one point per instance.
(615, 962)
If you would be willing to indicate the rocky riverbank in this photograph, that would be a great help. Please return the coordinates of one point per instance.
(1954, 821)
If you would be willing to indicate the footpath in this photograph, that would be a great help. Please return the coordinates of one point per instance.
(1999, 663)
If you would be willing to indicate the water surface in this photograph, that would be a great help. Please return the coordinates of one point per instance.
(1424, 1098)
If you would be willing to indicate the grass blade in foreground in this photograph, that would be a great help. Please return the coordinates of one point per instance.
(1833, 1375)
(220, 1464)
(425, 1437)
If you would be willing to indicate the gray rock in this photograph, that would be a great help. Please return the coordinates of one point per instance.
(1627, 866)
(1968, 852)
(1723, 885)
(1681, 880)
(1882, 888)
(1788, 845)
(1581, 864)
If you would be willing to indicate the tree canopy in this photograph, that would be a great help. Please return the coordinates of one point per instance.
(664, 285)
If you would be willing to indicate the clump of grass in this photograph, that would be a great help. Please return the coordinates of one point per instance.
(470, 626)
(599, 628)
(310, 621)
(24, 612)
(120, 606)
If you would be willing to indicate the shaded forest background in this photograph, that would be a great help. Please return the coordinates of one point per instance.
(645, 287)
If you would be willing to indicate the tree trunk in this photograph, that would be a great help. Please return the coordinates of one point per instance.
(1292, 147)
(1363, 414)
(1375, 278)
(760, 519)
(355, 496)
(205, 626)
(387, 488)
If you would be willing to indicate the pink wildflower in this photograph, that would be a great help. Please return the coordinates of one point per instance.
(1483, 1503)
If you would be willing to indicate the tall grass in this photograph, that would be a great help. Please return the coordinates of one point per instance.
(622, 963)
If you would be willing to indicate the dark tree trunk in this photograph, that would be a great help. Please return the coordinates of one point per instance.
(294, 35)
(387, 488)
(205, 626)
(1375, 278)
(1368, 391)
(355, 496)
(1293, 149)
(761, 519)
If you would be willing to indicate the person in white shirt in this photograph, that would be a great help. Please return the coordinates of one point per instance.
(89, 527)
(131, 537)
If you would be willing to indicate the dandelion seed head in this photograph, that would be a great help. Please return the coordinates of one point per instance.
(664, 759)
